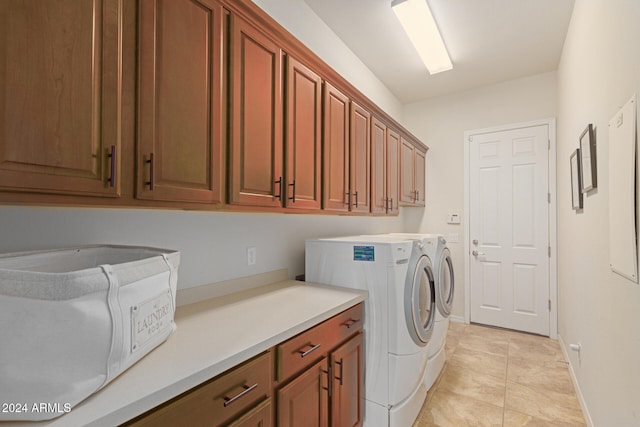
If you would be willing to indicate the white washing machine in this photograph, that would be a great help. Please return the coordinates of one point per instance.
(399, 316)
(436, 248)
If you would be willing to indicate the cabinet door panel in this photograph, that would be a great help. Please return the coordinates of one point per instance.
(336, 150)
(393, 178)
(379, 202)
(420, 168)
(303, 142)
(180, 102)
(59, 108)
(347, 364)
(305, 401)
(360, 171)
(260, 416)
(407, 172)
(256, 149)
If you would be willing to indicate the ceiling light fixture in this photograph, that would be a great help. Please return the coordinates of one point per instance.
(417, 21)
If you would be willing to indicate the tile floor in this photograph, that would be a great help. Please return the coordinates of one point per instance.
(496, 377)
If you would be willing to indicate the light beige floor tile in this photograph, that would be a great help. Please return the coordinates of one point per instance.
(547, 374)
(448, 409)
(491, 332)
(463, 381)
(456, 328)
(535, 348)
(544, 404)
(517, 419)
(478, 342)
(481, 362)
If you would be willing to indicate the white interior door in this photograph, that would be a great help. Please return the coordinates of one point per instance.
(509, 229)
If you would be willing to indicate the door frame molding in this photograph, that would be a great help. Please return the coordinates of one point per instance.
(552, 211)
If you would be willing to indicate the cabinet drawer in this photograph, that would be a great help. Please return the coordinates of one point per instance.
(218, 401)
(308, 347)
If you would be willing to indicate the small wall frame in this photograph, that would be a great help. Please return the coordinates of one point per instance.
(588, 172)
(576, 193)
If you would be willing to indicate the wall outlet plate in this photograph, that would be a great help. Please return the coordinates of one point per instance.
(251, 255)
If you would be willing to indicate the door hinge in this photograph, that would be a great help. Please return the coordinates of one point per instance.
(548, 144)
(549, 251)
(549, 305)
(549, 198)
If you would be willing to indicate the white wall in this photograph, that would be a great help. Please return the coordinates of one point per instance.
(213, 245)
(598, 73)
(441, 123)
(301, 21)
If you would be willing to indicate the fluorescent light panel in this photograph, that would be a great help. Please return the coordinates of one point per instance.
(417, 21)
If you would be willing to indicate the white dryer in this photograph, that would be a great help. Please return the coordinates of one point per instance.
(399, 316)
(435, 246)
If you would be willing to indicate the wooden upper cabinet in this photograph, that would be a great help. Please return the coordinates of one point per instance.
(420, 183)
(335, 188)
(360, 164)
(412, 181)
(384, 169)
(60, 100)
(393, 176)
(303, 144)
(256, 173)
(379, 198)
(180, 103)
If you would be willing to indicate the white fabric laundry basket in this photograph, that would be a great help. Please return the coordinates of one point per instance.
(73, 319)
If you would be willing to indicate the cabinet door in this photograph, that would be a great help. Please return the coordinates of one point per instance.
(303, 137)
(60, 101)
(419, 179)
(379, 198)
(347, 365)
(336, 150)
(360, 164)
(393, 181)
(407, 172)
(256, 118)
(260, 416)
(180, 103)
(305, 401)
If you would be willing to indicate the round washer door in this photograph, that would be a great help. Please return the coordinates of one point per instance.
(446, 283)
(420, 301)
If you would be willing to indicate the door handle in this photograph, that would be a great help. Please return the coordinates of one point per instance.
(476, 253)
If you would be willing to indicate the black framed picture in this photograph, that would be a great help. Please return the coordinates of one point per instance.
(588, 171)
(576, 193)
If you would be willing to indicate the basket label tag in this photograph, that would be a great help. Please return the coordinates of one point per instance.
(150, 319)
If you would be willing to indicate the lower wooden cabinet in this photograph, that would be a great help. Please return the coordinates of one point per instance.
(260, 416)
(315, 379)
(305, 400)
(236, 397)
(347, 383)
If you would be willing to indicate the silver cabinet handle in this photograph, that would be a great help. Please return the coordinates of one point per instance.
(229, 400)
(476, 253)
(306, 353)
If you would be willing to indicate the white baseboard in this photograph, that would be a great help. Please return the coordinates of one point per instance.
(576, 386)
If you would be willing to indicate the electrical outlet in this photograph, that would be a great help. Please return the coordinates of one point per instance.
(251, 255)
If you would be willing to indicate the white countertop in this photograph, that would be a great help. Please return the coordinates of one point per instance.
(212, 336)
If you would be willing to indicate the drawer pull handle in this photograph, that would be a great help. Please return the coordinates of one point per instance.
(229, 400)
(350, 323)
(312, 349)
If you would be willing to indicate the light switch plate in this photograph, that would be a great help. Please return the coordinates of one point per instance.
(453, 218)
